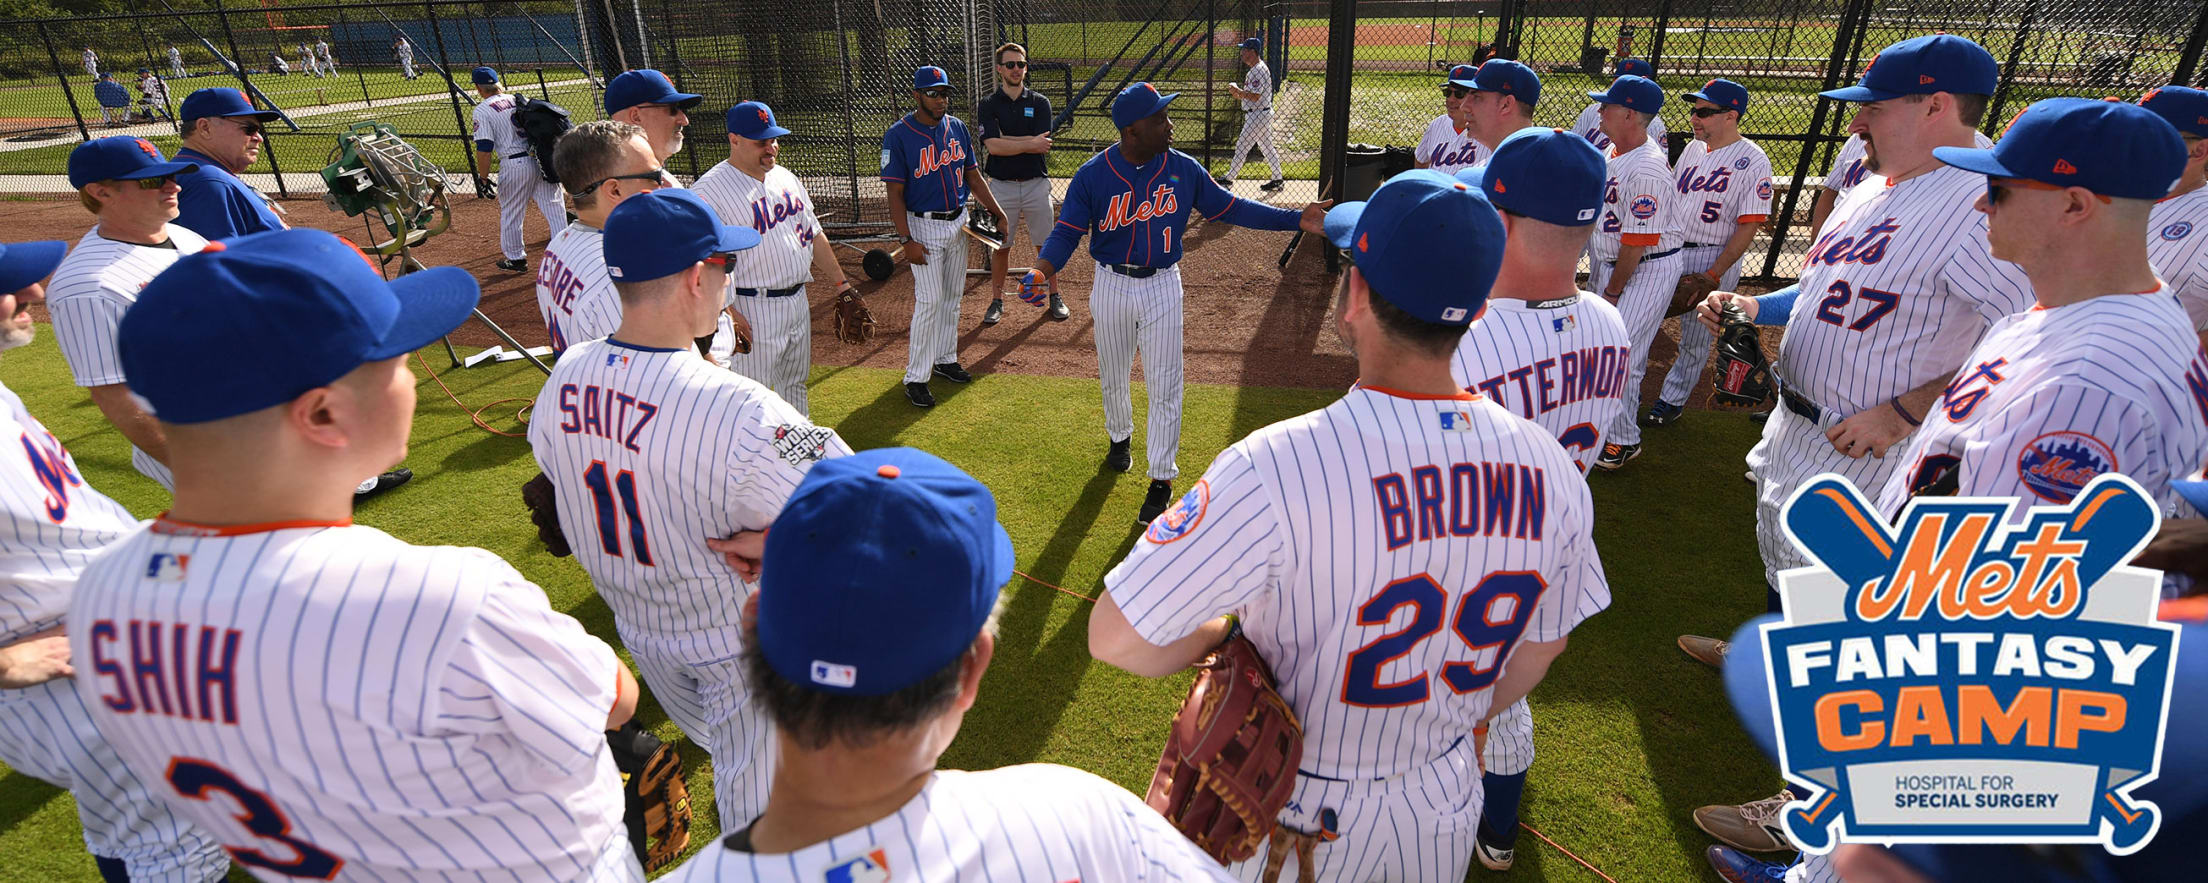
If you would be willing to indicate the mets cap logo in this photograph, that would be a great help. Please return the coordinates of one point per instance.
(1644, 207)
(2057, 465)
(2177, 231)
(1183, 517)
(764, 117)
(873, 867)
(147, 146)
(1975, 673)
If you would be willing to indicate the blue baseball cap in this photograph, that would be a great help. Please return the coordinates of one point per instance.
(664, 232)
(1632, 90)
(754, 120)
(120, 158)
(1723, 93)
(882, 568)
(1137, 102)
(1509, 78)
(265, 317)
(220, 101)
(1461, 75)
(1638, 67)
(1922, 66)
(929, 77)
(2183, 106)
(2109, 147)
(483, 76)
(23, 263)
(645, 86)
(144, 70)
(1549, 175)
(1253, 44)
(1426, 242)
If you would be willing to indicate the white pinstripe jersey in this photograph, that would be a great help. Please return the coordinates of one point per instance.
(1589, 126)
(2054, 397)
(325, 699)
(1385, 553)
(1447, 150)
(653, 450)
(1722, 190)
(574, 294)
(1258, 79)
(1640, 200)
(779, 208)
(2177, 243)
(92, 288)
(51, 523)
(494, 122)
(1847, 168)
(1897, 289)
(1559, 363)
(1033, 822)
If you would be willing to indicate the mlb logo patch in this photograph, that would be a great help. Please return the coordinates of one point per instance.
(1562, 324)
(167, 568)
(1456, 421)
(873, 867)
(1644, 207)
(835, 675)
(616, 360)
(1586, 214)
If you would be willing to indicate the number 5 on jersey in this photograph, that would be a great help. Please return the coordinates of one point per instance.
(1488, 620)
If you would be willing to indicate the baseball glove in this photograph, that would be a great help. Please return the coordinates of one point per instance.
(486, 188)
(1230, 763)
(1692, 289)
(1743, 376)
(742, 328)
(854, 323)
(544, 511)
(658, 812)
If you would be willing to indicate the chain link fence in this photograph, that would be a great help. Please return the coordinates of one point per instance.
(836, 71)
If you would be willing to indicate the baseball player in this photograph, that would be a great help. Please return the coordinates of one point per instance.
(519, 182)
(767, 283)
(1499, 102)
(405, 51)
(308, 61)
(1448, 146)
(1724, 185)
(928, 167)
(1548, 352)
(2094, 377)
(176, 63)
(1133, 199)
(322, 52)
(1589, 125)
(601, 163)
(332, 702)
(113, 99)
(1894, 295)
(277, 63)
(1256, 95)
(2179, 254)
(1635, 249)
(91, 63)
(55, 524)
(652, 451)
(133, 242)
(153, 94)
(646, 98)
(864, 708)
(1847, 171)
(1015, 133)
(1405, 501)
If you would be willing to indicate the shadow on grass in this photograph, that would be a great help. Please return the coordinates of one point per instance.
(21, 797)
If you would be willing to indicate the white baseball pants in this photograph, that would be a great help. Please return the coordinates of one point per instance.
(406, 65)
(1257, 130)
(1510, 741)
(1694, 340)
(1793, 451)
(936, 289)
(1642, 306)
(46, 732)
(711, 701)
(518, 185)
(1416, 827)
(1141, 315)
(781, 354)
(176, 67)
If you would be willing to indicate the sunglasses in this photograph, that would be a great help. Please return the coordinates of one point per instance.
(936, 93)
(1997, 186)
(247, 128)
(1455, 91)
(1703, 113)
(718, 261)
(1014, 65)
(155, 183)
(656, 176)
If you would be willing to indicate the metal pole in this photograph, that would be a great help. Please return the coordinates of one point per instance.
(850, 111)
(358, 69)
(1840, 56)
(223, 15)
(452, 92)
(55, 58)
(2008, 68)
(2189, 58)
(1211, 84)
(1663, 23)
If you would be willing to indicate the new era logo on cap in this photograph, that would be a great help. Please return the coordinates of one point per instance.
(2063, 167)
(1925, 80)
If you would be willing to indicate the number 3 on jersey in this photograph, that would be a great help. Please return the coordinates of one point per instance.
(1490, 617)
(193, 778)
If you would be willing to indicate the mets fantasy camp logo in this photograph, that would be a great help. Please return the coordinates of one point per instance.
(1963, 679)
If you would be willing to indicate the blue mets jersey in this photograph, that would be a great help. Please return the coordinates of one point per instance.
(1135, 214)
(931, 162)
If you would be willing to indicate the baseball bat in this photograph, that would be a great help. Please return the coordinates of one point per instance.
(994, 244)
(1297, 239)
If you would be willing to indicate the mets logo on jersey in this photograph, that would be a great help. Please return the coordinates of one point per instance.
(1763, 189)
(1183, 517)
(872, 867)
(2057, 465)
(1972, 674)
(1644, 207)
(2177, 231)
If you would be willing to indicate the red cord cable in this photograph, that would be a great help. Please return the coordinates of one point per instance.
(477, 414)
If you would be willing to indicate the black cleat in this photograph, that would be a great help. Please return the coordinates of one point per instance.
(951, 372)
(1117, 459)
(1274, 184)
(1614, 456)
(1161, 496)
(514, 266)
(384, 482)
(919, 395)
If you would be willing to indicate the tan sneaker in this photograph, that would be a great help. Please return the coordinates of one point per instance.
(1751, 827)
(1708, 651)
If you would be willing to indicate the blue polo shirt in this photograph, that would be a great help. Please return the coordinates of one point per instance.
(217, 205)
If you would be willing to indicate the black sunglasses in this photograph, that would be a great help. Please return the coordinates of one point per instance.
(155, 183)
(657, 176)
(247, 128)
(1015, 65)
(1455, 91)
(936, 93)
(1703, 113)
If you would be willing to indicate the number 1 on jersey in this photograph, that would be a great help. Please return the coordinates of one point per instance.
(609, 521)
(1489, 617)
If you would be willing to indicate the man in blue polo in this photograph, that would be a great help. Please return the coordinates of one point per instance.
(222, 135)
(647, 99)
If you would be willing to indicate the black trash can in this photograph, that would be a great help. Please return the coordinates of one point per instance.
(1364, 172)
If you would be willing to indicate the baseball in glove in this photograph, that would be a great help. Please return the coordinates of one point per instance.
(544, 511)
(658, 813)
(1230, 763)
(1692, 289)
(742, 328)
(1743, 375)
(854, 323)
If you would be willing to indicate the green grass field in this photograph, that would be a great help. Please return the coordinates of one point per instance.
(1632, 735)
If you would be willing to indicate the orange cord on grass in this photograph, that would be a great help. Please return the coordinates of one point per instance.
(520, 414)
(1032, 579)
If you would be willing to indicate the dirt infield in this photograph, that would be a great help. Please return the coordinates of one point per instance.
(1247, 323)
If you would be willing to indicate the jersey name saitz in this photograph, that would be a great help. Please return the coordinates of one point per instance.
(195, 676)
(1833, 249)
(1573, 376)
(1124, 210)
(933, 158)
(604, 412)
(1465, 500)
